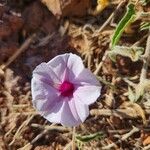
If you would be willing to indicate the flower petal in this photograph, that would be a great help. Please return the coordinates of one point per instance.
(43, 95)
(44, 73)
(67, 118)
(54, 114)
(75, 66)
(59, 65)
(73, 108)
(88, 94)
(61, 113)
(67, 66)
(86, 77)
(82, 109)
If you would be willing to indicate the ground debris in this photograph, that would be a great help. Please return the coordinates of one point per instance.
(125, 124)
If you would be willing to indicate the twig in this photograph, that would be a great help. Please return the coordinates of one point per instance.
(9, 131)
(20, 105)
(89, 61)
(39, 136)
(129, 82)
(19, 129)
(110, 17)
(140, 41)
(101, 63)
(110, 146)
(68, 146)
(73, 138)
(122, 113)
(124, 137)
(45, 40)
(45, 130)
(26, 113)
(51, 127)
(24, 46)
(122, 131)
(127, 135)
(146, 59)
(26, 147)
(100, 30)
(42, 133)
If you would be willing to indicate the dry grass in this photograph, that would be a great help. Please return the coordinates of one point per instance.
(124, 124)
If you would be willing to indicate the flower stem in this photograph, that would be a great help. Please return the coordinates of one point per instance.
(73, 138)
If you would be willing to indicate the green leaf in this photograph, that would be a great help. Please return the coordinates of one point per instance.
(87, 138)
(145, 26)
(133, 53)
(125, 21)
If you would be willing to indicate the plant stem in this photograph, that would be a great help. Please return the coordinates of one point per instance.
(23, 47)
(73, 138)
(146, 59)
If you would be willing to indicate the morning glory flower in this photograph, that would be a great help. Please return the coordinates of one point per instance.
(62, 90)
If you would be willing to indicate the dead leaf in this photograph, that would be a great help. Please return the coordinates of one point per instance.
(53, 6)
(67, 7)
(146, 141)
(139, 110)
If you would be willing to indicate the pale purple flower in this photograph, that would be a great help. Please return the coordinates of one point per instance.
(63, 89)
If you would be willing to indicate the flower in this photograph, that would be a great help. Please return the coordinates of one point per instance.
(63, 89)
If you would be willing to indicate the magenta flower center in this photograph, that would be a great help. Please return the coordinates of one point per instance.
(66, 89)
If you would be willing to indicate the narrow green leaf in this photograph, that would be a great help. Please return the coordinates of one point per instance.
(124, 22)
(87, 138)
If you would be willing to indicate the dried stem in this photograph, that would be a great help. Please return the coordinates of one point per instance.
(45, 129)
(127, 135)
(25, 123)
(146, 59)
(73, 138)
(45, 40)
(26, 147)
(24, 46)
(101, 63)
(124, 137)
(68, 146)
(111, 16)
(125, 130)
(122, 113)
(140, 41)
(51, 127)
(100, 30)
